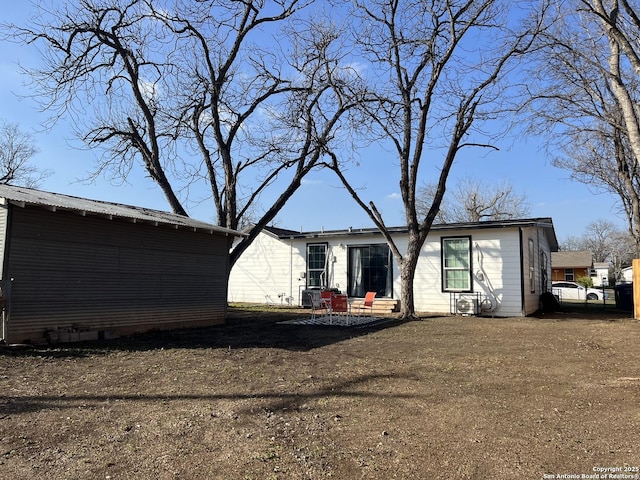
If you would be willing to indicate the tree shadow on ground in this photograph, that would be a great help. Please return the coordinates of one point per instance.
(260, 327)
(585, 310)
(353, 387)
(242, 329)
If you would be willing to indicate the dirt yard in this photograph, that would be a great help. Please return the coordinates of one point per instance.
(439, 398)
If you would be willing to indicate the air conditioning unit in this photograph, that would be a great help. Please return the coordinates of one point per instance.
(467, 306)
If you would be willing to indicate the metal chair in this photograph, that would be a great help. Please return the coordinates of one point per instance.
(367, 304)
(318, 304)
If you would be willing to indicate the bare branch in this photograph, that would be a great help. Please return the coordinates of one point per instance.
(17, 148)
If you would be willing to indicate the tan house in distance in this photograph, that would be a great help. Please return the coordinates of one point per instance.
(568, 266)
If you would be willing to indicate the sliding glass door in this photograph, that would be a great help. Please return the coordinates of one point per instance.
(369, 270)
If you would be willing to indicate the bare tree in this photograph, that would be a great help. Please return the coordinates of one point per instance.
(606, 242)
(474, 200)
(622, 253)
(17, 148)
(438, 71)
(599, 237)
(573, 243)
(231, 95)
(587, 96)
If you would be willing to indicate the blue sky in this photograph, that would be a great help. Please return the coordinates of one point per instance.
(321, 202)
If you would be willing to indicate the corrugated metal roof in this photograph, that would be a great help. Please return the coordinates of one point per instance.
(26, 196)
(572, 259)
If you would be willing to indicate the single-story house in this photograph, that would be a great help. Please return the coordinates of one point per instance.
(626, 275)
(74, 268)
(570, 265)
(600, 274)
(497, 268)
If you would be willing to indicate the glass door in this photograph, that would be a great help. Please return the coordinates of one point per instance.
(369, 270)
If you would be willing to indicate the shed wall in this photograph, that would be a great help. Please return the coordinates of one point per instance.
(4, 218)
(71, 271)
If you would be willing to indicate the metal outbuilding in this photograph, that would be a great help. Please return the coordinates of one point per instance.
(75, 269)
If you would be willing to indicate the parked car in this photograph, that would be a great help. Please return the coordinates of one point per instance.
(575, 291)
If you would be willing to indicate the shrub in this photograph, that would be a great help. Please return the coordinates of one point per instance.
(585, 281)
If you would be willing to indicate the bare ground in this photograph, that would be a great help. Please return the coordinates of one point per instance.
(440, 398)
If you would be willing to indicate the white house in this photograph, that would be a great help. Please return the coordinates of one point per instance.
(600, 274)
(497, 268)
(626, 275)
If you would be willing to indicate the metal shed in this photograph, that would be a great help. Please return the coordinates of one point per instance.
(75, 269)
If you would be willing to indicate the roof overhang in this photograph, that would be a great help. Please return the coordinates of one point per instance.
(55, 202)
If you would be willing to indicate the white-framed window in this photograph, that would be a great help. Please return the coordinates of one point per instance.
(316, 264)
(456, 264)
(568, 275)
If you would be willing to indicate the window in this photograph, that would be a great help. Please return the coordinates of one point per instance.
(456, 264)
(532, 276)
(316, 263)
(568, 274)
(544, 274)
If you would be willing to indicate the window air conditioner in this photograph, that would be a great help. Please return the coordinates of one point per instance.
(467, 306)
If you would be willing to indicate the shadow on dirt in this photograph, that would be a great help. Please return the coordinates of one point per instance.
(583, 310)
(275, 399)
(243, 329)
(260, 328)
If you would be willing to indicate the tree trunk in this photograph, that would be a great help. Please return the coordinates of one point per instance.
(407, 266)
(628, 108)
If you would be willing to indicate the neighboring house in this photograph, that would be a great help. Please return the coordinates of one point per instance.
(600, 274)
(495, 268)
(626, 275)
(74, 268)
(568, 266)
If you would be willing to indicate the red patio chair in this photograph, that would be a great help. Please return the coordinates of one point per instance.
(367, 304)
(339, 304)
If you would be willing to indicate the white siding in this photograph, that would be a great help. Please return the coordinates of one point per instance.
(500, 263)
(495, 260)
(268, 271)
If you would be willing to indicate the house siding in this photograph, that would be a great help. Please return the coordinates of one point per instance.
(4, 226)
(495, 276)
(499, 258)
(269, 271)
(559, 274)
(532, 298)
(71, 271)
